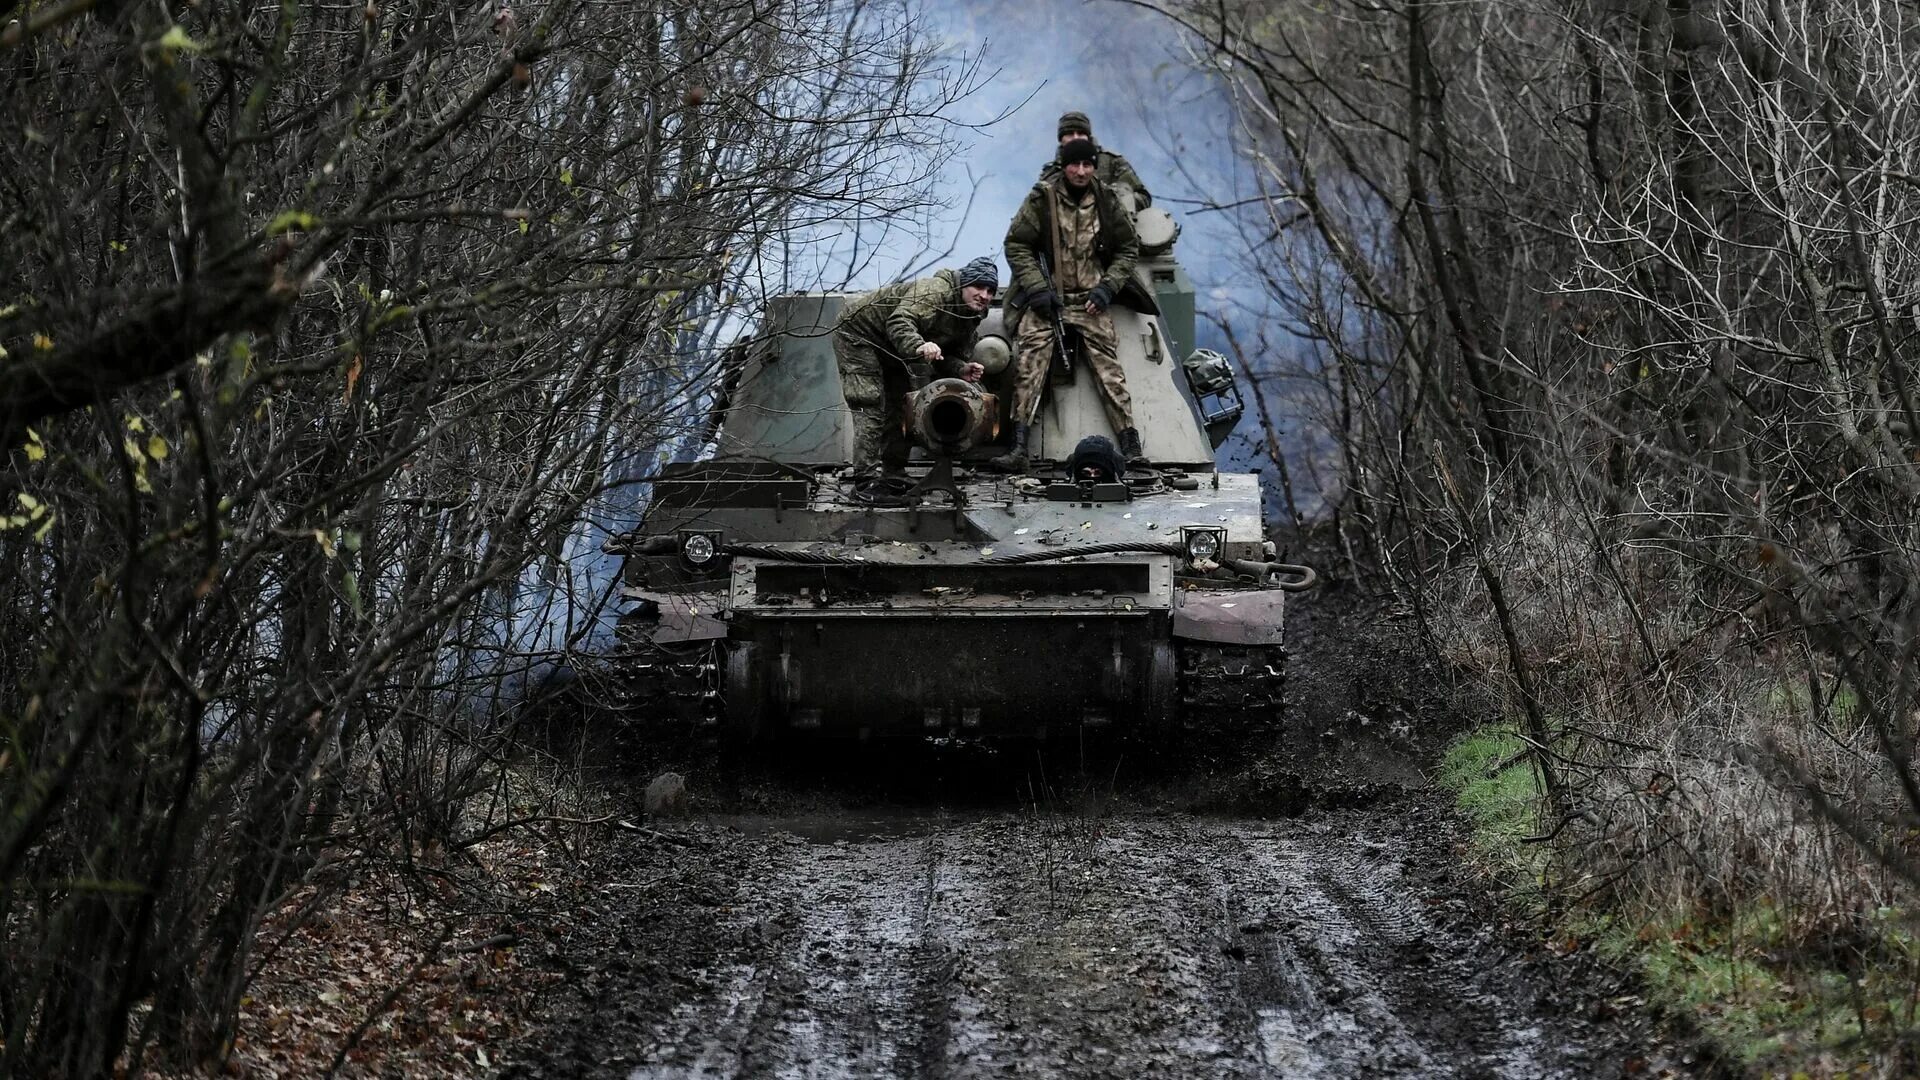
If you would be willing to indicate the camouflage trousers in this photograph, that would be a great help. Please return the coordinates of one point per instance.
(876, 384)
(1036, 354)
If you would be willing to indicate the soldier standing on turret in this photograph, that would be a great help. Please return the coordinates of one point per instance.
(892, 339)
(1077, 224)
(1111, 169)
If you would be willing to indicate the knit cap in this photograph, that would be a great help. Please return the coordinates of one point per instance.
(1079, 150)
(1074, 121)
(981, 271)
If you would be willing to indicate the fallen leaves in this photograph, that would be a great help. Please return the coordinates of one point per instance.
(438, 969)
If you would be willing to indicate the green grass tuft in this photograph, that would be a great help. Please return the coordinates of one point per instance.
(1793, 701)
(1495, 785)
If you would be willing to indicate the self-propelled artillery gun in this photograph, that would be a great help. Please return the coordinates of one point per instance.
(771, 593)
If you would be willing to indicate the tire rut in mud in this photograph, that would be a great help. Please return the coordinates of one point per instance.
(1344, 944)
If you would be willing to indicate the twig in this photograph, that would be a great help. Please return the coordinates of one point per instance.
(514, 823)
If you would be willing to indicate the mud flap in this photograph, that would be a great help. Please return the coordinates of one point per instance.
(1253, 617)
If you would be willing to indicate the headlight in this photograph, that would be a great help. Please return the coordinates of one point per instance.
(1208, 372)
(1203, 544)
(698, 548)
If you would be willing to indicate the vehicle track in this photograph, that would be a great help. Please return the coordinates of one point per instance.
(1034, 944)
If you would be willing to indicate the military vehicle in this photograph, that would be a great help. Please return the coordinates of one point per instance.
(773, 594)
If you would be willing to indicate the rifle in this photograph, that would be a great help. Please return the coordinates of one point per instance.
(1062, 366)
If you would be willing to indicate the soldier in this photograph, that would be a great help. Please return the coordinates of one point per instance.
(1111, 168)
(891, 339)
(1078, 225)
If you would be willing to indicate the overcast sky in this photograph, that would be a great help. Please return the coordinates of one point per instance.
(1120, 64)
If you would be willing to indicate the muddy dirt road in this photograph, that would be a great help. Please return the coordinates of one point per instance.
(1299, 912)
(1337, 944)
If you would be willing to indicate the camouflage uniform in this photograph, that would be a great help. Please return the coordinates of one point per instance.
(1112, 170)
(876, 342)
(1097, 246)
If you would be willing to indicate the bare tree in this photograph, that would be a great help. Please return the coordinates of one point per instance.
(1612, 309)
(329, 333)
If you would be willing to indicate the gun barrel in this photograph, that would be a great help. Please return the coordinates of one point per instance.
(951, 416)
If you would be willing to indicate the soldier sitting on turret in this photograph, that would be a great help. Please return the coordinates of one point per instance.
(1075, 225)
(1111, 169)
(889, 341)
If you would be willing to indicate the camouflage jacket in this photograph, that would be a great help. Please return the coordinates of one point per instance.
(1109, 168)
(1030, 238)
(901, 317)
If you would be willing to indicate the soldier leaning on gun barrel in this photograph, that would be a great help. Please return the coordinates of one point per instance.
(891, 340)
(1077, 226)
(1108, 167)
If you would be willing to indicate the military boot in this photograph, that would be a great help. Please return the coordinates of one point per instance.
(1015, 459)
(1130, 448)
(882, 484)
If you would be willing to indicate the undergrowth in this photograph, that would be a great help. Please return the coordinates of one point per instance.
(1771, 996)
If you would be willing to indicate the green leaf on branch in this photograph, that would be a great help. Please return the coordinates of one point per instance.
(350, 585)
(34, 511)
(392, 315)
(137, 455)
(176, 40)
(291, 220)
